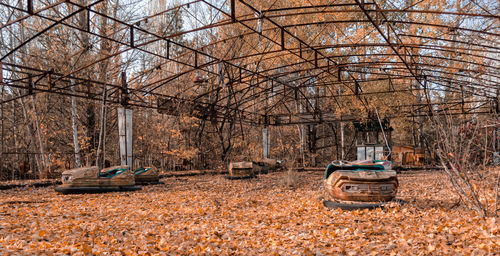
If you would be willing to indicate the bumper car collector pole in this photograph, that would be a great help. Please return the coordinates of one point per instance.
(125, 125)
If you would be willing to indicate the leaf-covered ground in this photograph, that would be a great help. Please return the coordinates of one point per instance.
(212, 215)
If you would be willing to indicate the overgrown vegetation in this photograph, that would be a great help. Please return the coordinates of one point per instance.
(464, 153)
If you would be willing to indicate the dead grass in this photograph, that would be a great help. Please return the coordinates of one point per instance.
(291, 178)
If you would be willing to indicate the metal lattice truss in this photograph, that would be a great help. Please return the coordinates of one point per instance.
(276, 62)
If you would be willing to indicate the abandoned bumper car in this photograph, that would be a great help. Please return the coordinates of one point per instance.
(360, 184)
(91, 180)
(147, 176)
(268, 165)
(247, 169)
(241, 170)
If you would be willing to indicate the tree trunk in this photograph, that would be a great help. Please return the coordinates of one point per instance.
(103, 69)
(40, 140)
(2, 163)
(32, 136)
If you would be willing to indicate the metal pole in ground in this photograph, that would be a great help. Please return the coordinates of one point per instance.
(125, 126)
(265, 142)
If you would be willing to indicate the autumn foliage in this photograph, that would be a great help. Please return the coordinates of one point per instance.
(215, 216)
(205, 79)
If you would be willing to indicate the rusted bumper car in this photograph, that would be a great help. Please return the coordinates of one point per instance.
(147, 176)
(268, 165)
(241, 170)
(360, 185)
(91, 180)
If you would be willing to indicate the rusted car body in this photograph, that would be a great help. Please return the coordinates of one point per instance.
(146, 175)
(365, 181)
(240, 170)
(267, 165)
(91, 180)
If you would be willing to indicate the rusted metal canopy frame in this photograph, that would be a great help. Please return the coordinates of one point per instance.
(81, 8)
(391, 21)
(315, 51)
(398, 42)
(475, 15)
(98, 94)
(491, 73)
(42, 86)
(450, 89)
(280, 43)
(420, 23)
(413, 69)
(136, 46)
(420, 56)
(56, 22)
(458, 81)
(423, 56)
(195, 51)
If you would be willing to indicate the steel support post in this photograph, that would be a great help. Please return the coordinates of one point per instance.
(125, 136)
